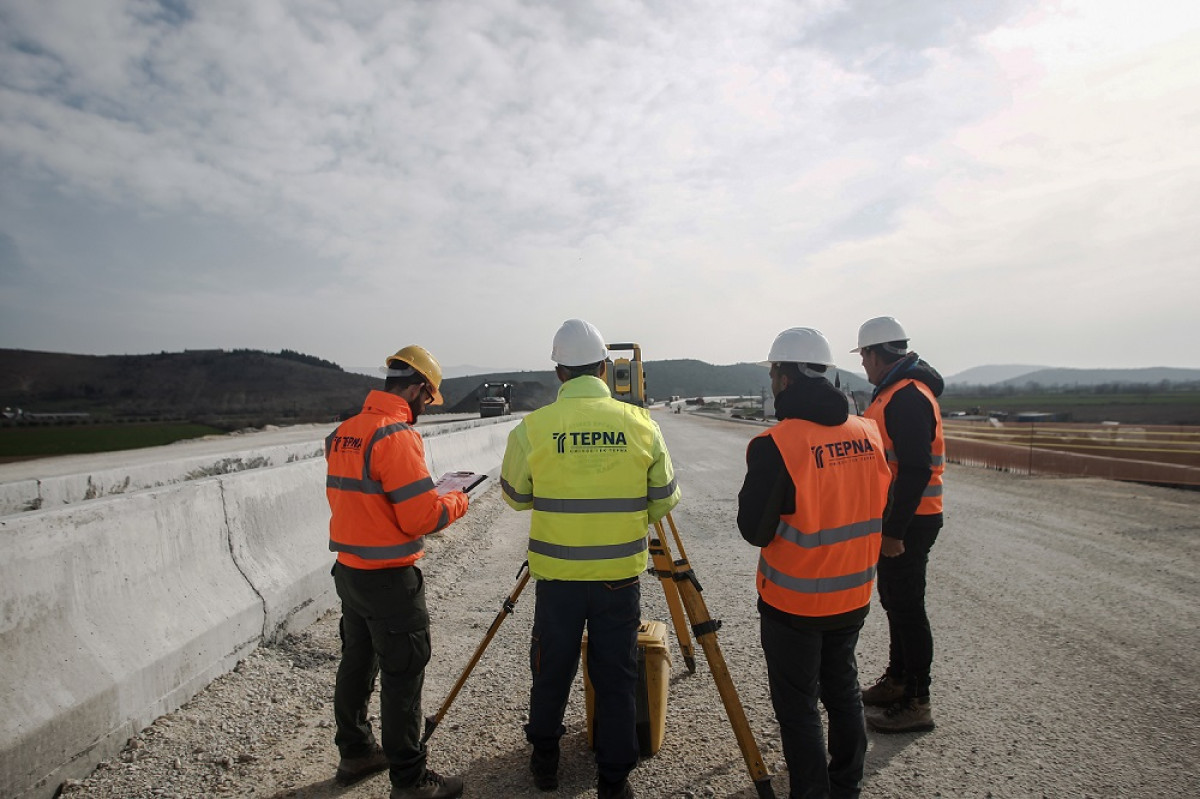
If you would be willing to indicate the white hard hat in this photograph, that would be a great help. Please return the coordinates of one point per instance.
(800, 345)
(880, 330)
(578, 343)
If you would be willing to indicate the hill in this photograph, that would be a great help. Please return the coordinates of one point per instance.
(241, 387)
(217, 387)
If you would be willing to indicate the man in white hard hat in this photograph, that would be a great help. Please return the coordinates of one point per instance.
(906, 408)
(383, 503)
(596, 474)
(814, 496)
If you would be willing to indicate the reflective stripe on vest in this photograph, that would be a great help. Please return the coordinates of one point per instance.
(395, 496)
(380, 553)
(815, 585)
(507, 488)
(603, 552)
(834, 535)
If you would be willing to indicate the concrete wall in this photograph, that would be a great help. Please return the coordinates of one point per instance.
(119, 608)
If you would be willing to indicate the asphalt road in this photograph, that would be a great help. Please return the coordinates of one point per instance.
(1065, 614)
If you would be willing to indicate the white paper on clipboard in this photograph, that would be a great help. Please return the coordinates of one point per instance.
(458, 481)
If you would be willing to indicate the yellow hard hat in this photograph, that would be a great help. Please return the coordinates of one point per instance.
(418, 358)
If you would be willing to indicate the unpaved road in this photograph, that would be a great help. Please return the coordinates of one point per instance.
(1065, 613)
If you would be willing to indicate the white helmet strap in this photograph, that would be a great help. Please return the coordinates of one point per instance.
(805, 369)
(391, 371)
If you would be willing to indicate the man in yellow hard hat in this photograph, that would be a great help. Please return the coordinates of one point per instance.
(383, 503)
(595, 473)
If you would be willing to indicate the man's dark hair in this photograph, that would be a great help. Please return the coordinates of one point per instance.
(891, 351)
(792, 370)
(573, 372)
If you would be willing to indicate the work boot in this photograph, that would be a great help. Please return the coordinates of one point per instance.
(908, 715)
(884, 692)
(544, 765)
(352, 769)
(614, 790)
(431, 786)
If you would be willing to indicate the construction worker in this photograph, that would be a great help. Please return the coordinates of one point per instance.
(905, 406)
(383, 503)
(595, 473)
(815, 492)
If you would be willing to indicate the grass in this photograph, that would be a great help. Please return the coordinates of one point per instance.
(37, 441)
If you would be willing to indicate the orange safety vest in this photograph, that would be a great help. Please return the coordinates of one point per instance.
(931, 497)
(379, 490)
(822, 559)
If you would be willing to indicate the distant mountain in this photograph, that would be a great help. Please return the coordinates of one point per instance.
(987, 375)
(1095, 377)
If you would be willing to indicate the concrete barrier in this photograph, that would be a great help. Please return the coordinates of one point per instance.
(278, 528)
(119, 608)
(115, 612)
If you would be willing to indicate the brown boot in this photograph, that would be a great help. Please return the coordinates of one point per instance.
(431, 786)
(907, 715)
(884, 692)
(352, 769)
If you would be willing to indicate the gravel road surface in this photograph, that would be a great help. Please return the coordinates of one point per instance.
(1064, 610)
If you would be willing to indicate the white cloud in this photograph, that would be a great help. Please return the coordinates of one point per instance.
(705, 173)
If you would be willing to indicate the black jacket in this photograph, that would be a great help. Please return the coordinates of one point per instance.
(911, 421)
(768, 491)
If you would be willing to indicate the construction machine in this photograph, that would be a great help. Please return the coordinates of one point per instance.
(495, 399)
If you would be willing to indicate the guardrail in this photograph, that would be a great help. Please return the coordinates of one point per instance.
(1162, 454)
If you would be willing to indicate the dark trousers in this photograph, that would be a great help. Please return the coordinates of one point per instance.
(612, 612)
(385, 631)
(802, 666)
(901, 582)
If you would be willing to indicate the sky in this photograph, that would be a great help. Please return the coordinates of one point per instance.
(1016, 181)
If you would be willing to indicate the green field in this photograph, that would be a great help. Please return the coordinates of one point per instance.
(33, 441)
(1159, 407)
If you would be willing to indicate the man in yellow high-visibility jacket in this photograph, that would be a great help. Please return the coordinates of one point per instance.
(595, 473)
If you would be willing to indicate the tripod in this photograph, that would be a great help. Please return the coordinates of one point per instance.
(682, 591)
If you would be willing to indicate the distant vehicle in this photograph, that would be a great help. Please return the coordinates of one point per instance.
(495, 399)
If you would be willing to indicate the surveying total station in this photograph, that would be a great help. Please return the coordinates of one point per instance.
(625, 376)
(626, 381)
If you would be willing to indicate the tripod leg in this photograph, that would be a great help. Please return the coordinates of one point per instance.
(664, 570)
(705, 629)
(431, 722)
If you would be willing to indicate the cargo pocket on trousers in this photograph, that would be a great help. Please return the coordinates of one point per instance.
(405, 651)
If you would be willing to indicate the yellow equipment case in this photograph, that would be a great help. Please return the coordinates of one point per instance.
(654, 672)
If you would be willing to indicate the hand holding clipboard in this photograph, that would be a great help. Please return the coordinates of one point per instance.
(458, 481)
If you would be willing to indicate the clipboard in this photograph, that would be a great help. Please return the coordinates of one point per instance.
(458, 481)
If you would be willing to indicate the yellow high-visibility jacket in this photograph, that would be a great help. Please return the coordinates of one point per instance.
(596, 473)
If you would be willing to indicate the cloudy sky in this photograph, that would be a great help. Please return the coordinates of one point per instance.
(1012, 179)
